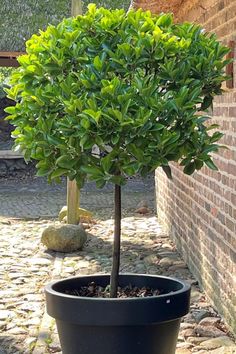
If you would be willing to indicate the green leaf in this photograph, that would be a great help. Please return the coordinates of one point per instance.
(115, 139)
(210, 148)
(95, 115)
(100, 183)
(107, 162)
(190, 168)
(207, 102)
(85, 123)
(136, 152)
(58, 173)
(211, 165)
(91, 170)
(65, 161)
(80, 180)
(213, 126)
(159, 126)
(159, 54)
(10, 110)
(97, 63)
(198, 164)
(53, 140)
(165, 20)
(216, 136)
(167, 171)
(43, 171)
(120, 180)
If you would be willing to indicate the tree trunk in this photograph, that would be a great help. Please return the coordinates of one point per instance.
(116, 244)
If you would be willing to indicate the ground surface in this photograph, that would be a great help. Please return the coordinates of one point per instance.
(26, 266)
(33, 197)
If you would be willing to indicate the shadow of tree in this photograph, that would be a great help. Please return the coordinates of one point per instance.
(141, 252)
(10, 344)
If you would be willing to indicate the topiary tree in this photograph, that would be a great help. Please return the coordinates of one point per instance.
(134, 85)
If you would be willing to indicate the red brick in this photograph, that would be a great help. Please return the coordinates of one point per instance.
(232, 111)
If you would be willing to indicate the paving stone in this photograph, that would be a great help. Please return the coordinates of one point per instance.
(183, 351)
(197, 340)
(4, 315)
(224, 350)
(209, 321)
(199, 315)
(208, 331)
(166, 262)
(215, 343)
(189, 332)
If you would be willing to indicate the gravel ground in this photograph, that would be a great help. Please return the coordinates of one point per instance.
(32, 197)
(26, 266)
(28, 205)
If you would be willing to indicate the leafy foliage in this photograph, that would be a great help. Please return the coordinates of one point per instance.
(134, 85)
(4, 77)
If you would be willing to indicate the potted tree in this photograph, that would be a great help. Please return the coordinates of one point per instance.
(136, 87)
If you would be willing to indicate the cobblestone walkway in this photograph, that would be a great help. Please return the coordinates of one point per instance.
(33, 197)
(26, 266)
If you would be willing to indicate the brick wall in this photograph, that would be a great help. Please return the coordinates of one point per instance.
(200, 211)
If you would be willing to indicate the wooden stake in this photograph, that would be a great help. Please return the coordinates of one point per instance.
(73, 195)
(76, 7)
(73, 192)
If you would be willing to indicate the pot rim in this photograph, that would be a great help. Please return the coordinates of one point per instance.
(185, 287)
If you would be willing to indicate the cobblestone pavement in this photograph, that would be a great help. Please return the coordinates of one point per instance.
(26, 266)
(33, 197)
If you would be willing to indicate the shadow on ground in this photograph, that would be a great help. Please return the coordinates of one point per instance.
(10, 345)
(139, 252)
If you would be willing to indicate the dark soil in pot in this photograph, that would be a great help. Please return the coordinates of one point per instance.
(129, 291)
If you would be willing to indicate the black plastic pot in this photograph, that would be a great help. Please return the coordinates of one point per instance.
(118, 326)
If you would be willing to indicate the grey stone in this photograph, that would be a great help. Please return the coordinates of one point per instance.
(183, 351)
(224, 350)
(197, 340)
(142, 204)
(65, 238)
(198, 315)
(150, 259)
(4, 314)
(40, 262)
(3, 325)
(215, 343)
(188, 332)
(166, 262)
(209, 321)
(208, 331)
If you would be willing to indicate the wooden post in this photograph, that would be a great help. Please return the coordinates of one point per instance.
(73, 192)
(76, 7)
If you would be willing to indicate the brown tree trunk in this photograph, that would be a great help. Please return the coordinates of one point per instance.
(116, 243)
